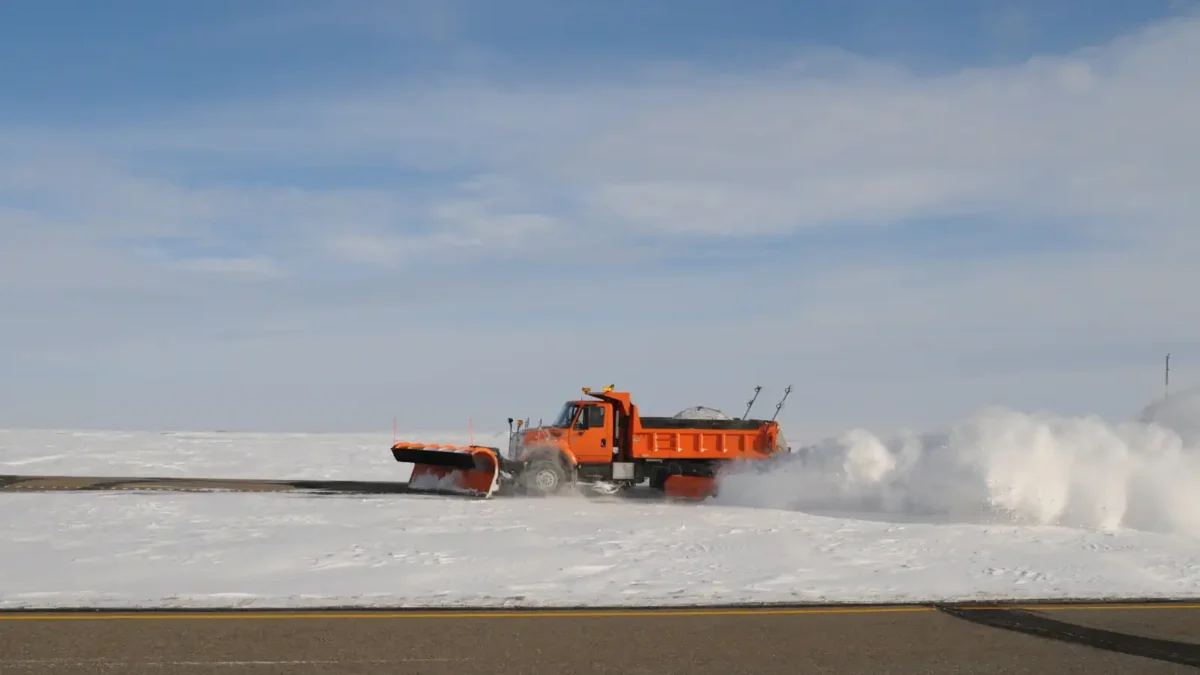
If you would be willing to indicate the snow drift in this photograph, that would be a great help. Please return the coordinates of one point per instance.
(1002, 465)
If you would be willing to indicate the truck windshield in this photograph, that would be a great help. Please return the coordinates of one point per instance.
(565, 416)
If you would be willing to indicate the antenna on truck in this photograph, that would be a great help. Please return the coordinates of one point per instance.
(751, 403)
(779, 406)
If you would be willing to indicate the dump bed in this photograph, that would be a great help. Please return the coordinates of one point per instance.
(717, 424)
(676, 438)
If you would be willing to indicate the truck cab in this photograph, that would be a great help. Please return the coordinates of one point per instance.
(583, 431)
(586, 430)
(582, 443)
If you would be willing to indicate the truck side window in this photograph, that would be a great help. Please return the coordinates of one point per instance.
(595, 416)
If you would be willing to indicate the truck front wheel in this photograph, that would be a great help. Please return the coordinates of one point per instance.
(544, 477)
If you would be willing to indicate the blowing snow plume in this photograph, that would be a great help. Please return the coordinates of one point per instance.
(1002, 465)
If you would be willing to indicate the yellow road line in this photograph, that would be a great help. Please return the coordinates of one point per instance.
(152, 615)
(453, 614)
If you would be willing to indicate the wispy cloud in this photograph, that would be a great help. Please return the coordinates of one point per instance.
(1102, 134)
(758, 220)
(256, 266)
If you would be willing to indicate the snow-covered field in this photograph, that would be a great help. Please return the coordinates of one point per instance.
(214, 455)
(1003, 505)
(269, 550)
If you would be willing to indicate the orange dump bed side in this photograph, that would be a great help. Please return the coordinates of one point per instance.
(698, 440)
(700, 444)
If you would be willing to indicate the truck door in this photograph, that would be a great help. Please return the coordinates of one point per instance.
(591, 436)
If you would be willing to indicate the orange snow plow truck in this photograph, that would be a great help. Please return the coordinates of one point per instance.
(602, 441)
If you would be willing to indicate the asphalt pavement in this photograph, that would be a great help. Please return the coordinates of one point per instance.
(19, 483)
(35, 483)
(1153, 638)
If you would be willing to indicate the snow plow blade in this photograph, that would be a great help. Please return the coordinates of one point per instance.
(470, 470)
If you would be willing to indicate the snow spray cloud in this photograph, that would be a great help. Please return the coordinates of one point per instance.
(1001, 465)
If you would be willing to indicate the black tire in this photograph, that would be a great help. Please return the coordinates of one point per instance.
(544, 476)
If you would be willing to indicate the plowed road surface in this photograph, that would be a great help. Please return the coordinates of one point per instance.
(872, 641)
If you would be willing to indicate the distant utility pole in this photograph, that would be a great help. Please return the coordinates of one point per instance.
(1167, 378)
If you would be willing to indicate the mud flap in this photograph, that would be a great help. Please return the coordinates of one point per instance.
(471, 470)
(690, 487)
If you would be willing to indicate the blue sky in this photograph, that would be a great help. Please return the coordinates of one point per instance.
(313, 216)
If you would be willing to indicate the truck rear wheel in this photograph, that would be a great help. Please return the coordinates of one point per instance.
(544, 477)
